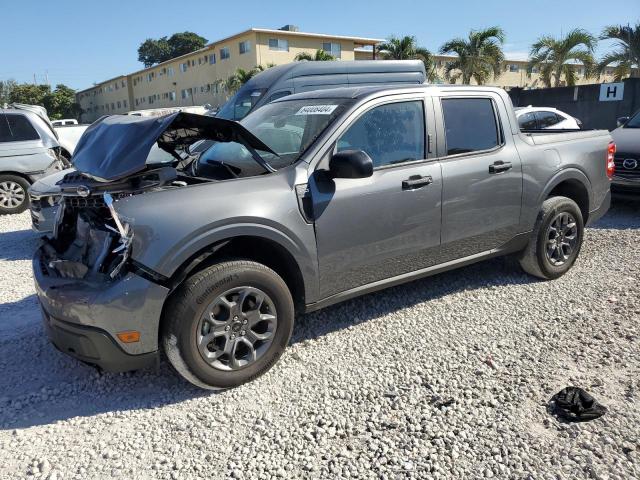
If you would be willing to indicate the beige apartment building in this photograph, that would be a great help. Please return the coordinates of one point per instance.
(198, 77)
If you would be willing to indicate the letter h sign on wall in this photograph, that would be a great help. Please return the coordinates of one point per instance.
(611, 92)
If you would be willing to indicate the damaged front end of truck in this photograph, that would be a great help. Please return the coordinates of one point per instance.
(94, 298)
(84, 236)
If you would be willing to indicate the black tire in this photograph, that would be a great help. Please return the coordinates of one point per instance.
(534, 259)
(12, 185)
(192, 301)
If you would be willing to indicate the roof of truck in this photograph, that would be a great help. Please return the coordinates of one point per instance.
(365, 91)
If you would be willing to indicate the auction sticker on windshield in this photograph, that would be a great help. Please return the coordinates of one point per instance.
(317, 110)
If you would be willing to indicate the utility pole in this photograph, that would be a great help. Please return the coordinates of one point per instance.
(34, 79)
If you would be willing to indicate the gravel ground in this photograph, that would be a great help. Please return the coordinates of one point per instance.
(447, 377)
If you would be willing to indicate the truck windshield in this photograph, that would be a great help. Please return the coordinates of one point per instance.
(288, 128)
(238, 106)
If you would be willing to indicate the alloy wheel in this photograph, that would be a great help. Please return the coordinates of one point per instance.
(562, 239)
(12, 194)
(237, 328)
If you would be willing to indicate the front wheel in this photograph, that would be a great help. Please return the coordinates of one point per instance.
(13, 194)
(556, 239)
(228, 324)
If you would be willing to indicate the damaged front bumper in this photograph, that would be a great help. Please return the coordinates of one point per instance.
(83, 316)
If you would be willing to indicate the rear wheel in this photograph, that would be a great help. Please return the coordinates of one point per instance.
(556, 239)
(13, 194)
(228, 324)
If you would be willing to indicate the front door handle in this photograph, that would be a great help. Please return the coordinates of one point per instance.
(416, 181)
(500, 166)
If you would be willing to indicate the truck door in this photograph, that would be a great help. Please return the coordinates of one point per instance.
(374, 228)
(482, 176)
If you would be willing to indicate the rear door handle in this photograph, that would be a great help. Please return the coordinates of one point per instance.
(500, 166)
(416, 181)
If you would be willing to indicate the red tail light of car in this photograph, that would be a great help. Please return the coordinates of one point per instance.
(611, 164)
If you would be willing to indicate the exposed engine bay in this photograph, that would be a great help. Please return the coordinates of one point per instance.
(89, 238)
(85, 237)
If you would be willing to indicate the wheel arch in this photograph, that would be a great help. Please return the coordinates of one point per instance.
(17, 174)
(266, 251)
(572, 184)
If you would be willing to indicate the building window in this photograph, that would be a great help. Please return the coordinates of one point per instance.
(224, 53)
(170, 71)
(184, 67)
(514, 68)
(279, 44)
(333, 49)
(124, 83)
(185, 93)
(149, 76)
(172, 96)
(212, 59)
(244, 47)
(119, 104)
(124, 103)
(193, 63)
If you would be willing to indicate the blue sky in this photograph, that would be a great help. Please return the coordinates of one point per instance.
(81, 42)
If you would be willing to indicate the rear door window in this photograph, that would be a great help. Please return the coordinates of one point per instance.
(547, 119)
(527, 121)
(389, 134)
(16, 128)
(470, 125)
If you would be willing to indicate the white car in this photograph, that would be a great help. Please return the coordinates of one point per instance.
(543, 118)
(64, 122)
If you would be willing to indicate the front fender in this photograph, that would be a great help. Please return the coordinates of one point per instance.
(172, 226)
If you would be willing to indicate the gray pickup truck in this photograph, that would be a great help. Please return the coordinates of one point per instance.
(310, 200)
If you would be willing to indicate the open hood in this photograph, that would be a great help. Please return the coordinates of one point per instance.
(116, 146)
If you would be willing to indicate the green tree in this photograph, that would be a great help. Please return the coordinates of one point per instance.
(60, 103)
(319, 56)
(406, 48)
(242, 76)
(6, 87)
(185, 42)
(152, 51)
(29, 93)
(553, 56)
(480, 57)
(626, 53)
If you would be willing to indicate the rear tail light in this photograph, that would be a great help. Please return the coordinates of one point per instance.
(611, 165)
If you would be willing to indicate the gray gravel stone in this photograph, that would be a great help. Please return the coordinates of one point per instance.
(446, 377)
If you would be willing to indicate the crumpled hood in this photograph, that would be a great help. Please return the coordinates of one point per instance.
(117, 146)
(627, 140)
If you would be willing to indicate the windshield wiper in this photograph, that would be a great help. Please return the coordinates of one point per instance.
(258, 158)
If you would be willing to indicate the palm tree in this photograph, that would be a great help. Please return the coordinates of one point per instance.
(479, 57)
(320, 56)
(242, 76)
(553, 56)
(406, 48)
(627, 53)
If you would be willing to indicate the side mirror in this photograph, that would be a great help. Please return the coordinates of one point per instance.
(622, 121)
(351, 164)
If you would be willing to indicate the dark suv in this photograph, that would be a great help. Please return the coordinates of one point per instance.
(627, 137)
